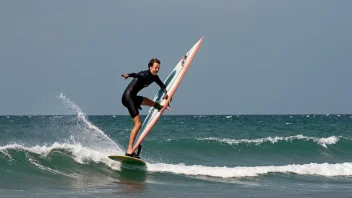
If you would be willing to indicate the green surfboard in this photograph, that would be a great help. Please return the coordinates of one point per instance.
(127, 160)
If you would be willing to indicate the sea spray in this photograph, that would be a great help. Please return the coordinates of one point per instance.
(87, 134)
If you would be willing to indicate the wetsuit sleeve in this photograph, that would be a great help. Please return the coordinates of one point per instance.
(161, 84)
(137, 75)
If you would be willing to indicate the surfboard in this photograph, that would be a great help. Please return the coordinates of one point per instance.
(172, 82)
(127, 160)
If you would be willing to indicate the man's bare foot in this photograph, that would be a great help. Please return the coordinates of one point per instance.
(129, 150)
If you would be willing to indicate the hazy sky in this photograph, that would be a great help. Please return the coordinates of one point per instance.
(257, 57)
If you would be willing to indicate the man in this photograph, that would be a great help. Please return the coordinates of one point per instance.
(133, 102)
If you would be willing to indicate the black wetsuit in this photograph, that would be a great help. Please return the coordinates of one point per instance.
(141, 80)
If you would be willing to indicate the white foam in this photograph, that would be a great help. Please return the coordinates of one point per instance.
(325, 169)
(321, 141)
(328, 140)
(79, 153)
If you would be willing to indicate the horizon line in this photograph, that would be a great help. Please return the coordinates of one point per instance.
(269, 114)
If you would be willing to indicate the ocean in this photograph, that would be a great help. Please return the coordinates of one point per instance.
(187, 156)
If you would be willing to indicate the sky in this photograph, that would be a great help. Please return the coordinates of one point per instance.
(257, 57)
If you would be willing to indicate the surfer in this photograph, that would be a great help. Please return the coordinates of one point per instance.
(133, 102)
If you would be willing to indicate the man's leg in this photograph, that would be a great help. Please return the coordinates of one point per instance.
(132, 109)
(134, 132)
(146, 101)
(137, 121)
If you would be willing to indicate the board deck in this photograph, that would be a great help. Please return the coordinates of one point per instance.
(127, 160)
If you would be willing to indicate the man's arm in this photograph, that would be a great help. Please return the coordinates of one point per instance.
(162, 86)
(134, 75)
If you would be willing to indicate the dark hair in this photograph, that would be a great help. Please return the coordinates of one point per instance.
(152, 61)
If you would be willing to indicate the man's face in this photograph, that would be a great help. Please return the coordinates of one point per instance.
(155, 68)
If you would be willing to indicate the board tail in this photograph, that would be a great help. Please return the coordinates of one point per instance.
(171, 83)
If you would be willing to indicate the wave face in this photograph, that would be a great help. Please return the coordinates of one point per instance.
(76, 162)
(179, 143)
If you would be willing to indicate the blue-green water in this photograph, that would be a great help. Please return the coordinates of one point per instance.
(187, 156)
